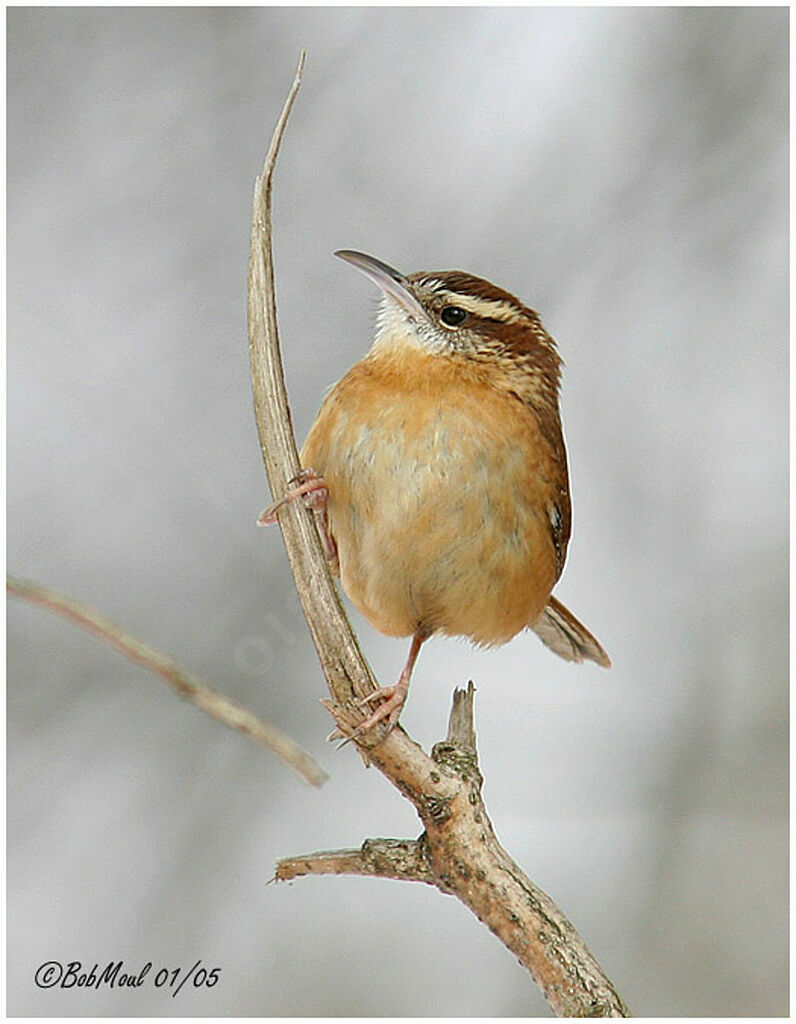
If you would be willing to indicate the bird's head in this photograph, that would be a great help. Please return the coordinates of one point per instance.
(452, 313)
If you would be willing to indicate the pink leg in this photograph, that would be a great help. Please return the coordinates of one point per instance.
(313, 490)
(394, 697)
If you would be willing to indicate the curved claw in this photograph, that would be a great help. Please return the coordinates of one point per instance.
(315, 494)
(306, 485)
(394, 697)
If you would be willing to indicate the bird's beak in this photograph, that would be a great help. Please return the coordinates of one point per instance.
(390, 281)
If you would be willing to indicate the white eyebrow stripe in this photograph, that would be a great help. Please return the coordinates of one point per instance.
(488, 308)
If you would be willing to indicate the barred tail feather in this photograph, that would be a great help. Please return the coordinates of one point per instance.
(561, 632)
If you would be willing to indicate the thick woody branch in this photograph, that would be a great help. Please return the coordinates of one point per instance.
(458, 851)
(185, 684)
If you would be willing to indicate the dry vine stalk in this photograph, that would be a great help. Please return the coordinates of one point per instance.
(458, 852)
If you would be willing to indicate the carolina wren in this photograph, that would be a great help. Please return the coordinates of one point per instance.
(439, 472)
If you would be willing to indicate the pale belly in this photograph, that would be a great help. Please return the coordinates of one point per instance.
(433, 518)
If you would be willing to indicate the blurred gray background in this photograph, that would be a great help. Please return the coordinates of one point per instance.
(624, 171)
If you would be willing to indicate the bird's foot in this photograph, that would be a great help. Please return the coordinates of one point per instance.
(314, 493)
(394, 698)
(307, 485)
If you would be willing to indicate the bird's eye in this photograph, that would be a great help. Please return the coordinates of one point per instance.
(453, 316)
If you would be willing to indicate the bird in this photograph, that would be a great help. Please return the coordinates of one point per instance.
(437, 470)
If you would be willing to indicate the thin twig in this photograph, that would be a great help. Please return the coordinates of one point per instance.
(403, 859)
(458, 851)
(184, 683)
